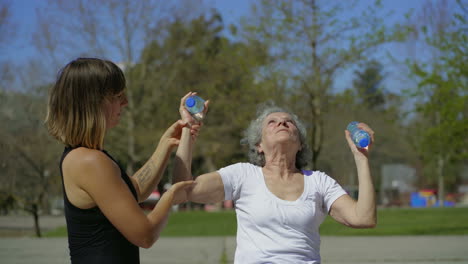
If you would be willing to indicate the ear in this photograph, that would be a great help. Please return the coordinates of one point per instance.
(259, 148)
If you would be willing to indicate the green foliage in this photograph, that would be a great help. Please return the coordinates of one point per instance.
(368, 86)
(366, 101)
(195, 57)
(441, 127)
(290, 52)
(310, 42)
(29, 156)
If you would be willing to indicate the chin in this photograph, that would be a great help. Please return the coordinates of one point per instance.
(112, 125)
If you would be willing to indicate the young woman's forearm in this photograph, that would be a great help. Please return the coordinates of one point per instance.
(183, 159)
(148, 176)
(160, 213)
(158, 219)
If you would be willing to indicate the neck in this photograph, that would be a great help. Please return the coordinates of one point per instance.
(283, 164)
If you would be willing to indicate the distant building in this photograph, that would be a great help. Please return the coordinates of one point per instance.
(397, 183)
(463, 187)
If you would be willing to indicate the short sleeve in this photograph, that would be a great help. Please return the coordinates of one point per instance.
(330, 189)
(233, 177)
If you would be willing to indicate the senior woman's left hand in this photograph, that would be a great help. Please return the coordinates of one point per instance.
(360, 152)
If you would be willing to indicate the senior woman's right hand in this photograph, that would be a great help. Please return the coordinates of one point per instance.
(192, 123)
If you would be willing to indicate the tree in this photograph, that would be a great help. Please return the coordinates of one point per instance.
(365, 101)
(116, 30)
(30, 173)
(311, 42)
(196, 57)
(443, 95)
(7, 32)
(368, 86)
(165, 52)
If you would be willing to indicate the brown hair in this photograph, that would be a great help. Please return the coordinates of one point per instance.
(75, 112)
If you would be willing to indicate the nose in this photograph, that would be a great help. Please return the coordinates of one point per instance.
(124, 102)
(283, 122)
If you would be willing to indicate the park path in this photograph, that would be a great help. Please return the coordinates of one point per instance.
(215, 250)
(210, 250)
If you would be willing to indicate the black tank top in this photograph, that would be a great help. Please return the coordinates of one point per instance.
(91, 237)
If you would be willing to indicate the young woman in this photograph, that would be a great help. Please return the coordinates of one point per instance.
(104, 221)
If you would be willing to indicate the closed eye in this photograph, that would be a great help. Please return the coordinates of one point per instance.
(121, 96)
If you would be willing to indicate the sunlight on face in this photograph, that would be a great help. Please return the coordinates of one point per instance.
(279, 127)
(114, 107)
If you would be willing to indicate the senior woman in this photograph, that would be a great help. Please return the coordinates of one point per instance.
(279, 206)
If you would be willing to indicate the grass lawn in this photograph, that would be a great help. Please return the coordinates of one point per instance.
(424, 221)
(395, 221)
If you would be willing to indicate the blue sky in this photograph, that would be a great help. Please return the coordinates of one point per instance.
(231, 10)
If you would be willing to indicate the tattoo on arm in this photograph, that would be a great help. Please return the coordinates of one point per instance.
(150, 174)
(144, 176)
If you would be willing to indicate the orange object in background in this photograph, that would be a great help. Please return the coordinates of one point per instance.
(152, 200)
(428, 198)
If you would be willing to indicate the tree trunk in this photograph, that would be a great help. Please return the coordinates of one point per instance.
(440, 180)
(440, 169)
(131, 134)
(315, 94)
(35, 213)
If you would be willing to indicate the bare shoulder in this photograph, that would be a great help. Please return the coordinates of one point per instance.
(84, 163)
(84, 158)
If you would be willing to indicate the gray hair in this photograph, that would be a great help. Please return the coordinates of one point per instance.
(253, 136)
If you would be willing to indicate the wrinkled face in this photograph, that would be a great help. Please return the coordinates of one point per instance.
(279, 128)
(113, 109)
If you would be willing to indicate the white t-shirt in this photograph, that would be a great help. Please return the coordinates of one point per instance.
(272, 230)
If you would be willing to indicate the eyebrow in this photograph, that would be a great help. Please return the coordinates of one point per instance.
(286, 116)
